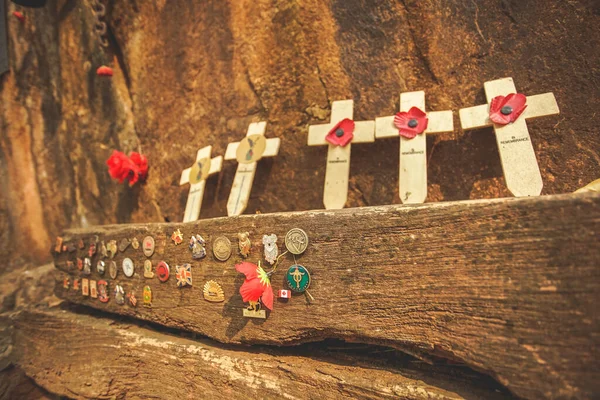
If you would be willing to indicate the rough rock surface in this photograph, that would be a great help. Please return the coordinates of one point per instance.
(189, 74)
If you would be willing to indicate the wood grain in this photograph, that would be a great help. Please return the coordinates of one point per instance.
(102, 358)
(507, 286)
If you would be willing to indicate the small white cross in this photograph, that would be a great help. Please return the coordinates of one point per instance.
(248, 152)
(521, 171)
(337, 172)
(413, 157)
(196, 176)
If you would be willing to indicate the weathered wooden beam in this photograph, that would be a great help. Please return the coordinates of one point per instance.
(507, 286)
(82, 356)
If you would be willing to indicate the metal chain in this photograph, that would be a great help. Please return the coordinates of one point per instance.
(100, 26)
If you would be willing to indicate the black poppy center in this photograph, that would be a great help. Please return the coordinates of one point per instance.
(339, 132)
(506, 110)
(413, 123)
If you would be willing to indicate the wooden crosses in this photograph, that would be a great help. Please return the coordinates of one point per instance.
(248, 152)
(339, 135)
(413, 159)
(521, 170)
(196, 176)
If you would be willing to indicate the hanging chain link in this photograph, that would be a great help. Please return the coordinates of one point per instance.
(100, 26)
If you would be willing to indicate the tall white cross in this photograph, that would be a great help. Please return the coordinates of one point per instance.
(337, 172)
(413, 152)
(248, 152)
(196, 176)
(521, 171)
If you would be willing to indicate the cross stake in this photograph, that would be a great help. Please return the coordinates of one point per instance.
(337, 172)
(248, 152)
(413, 158)
(521, 171)
(196, 176)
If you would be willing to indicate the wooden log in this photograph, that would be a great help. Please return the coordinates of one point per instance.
(507, 286)
(100, 358)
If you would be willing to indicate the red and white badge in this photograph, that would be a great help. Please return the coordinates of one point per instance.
(162, 270)
(284, 294)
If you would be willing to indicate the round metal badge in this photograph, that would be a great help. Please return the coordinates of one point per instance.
(296, 241)
(222, 248)
(148, 246)
(251, 149)
(200, 171)
(112, 269)
(135, 243)
(162, 270)
(128, 267)
(297, 278)
(100, 266)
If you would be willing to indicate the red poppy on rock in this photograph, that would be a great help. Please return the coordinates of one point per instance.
(104, 71)
(142, 163)
(257, 285)
(411, 123)
(133, 168)
(19, 16)
(504, 110)
(342, 133)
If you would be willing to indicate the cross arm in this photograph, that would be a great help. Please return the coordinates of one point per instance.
(230, 153)
(185, 176)
(272, 148)
(215, 165)
(439, 122)
(364, 132)
(317, 134)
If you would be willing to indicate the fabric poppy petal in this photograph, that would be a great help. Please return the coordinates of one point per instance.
(142, 163)
(267, 297)
(248, 269)
(347, 128)
(403, 119)
(251, 290)
(104, 71)
(19, 16)
(119, 166)
(516, 101)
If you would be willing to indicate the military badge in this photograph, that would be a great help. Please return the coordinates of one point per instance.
(148, 269)
(197, 244)
(147, 296)
(148, 246)
(213, 292)
(177, 237)
(87, 266)
(297, 278)
(162, 270)
(103, 291)
(119, 295)
(183, 275)
(135, 243)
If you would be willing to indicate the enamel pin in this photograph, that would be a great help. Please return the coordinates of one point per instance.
(135, 243)
(119, 295)
(100, 266)
(213, 292)
(124, 244)
(222, 248)
(297, 278)
(162, 270)
(128, 267)
(183, 275)
(80, 264)
(197, 244)
(148, 246)
(103, 291)
(92, 250)
(244, 244)
(132, 299)
(112, 269)
(284, 294)
(76, 284)
(111, 248)
(93, 289)
(148, 269)
(87, 266)
(271, 250)
(177, 237)
(66, 283)
(296, 241)
(147, 296)
(85, 287)
(103, 251)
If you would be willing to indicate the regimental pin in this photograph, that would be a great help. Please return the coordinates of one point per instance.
(183, 275)
(213, 292)
(103, 291)
(111, 248)
(85, 287)
(87, 266)
(103, 251)
(148, 274)
(177, 237)
(66, 283)
(113, 269)
(222, 248)
(244, 243)
(284, 294)
(92, 250)
(76, 284)
(132, 299)
(59, 244)
(128, 267)
(100, 266)
(296, 241)
(119, 295)
(80, 264)
(297, 278)
(93, 289)
(197, 244)
(271, 250)
(135, 243)
(147, 296)
(148, 246)
(162, 270)
(124, 244)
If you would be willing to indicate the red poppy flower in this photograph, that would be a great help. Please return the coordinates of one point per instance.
(504, 110)
(411, 123)
(104, 71)
(342, 133)
(257, 285)
(19, 15)
(142, 163)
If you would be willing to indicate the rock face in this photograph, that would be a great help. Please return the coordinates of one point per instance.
(189, 74)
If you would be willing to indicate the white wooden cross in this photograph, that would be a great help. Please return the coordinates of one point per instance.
(521, 171)
(337, 172)
(413, 157)
(196, 176)
(248, 152)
